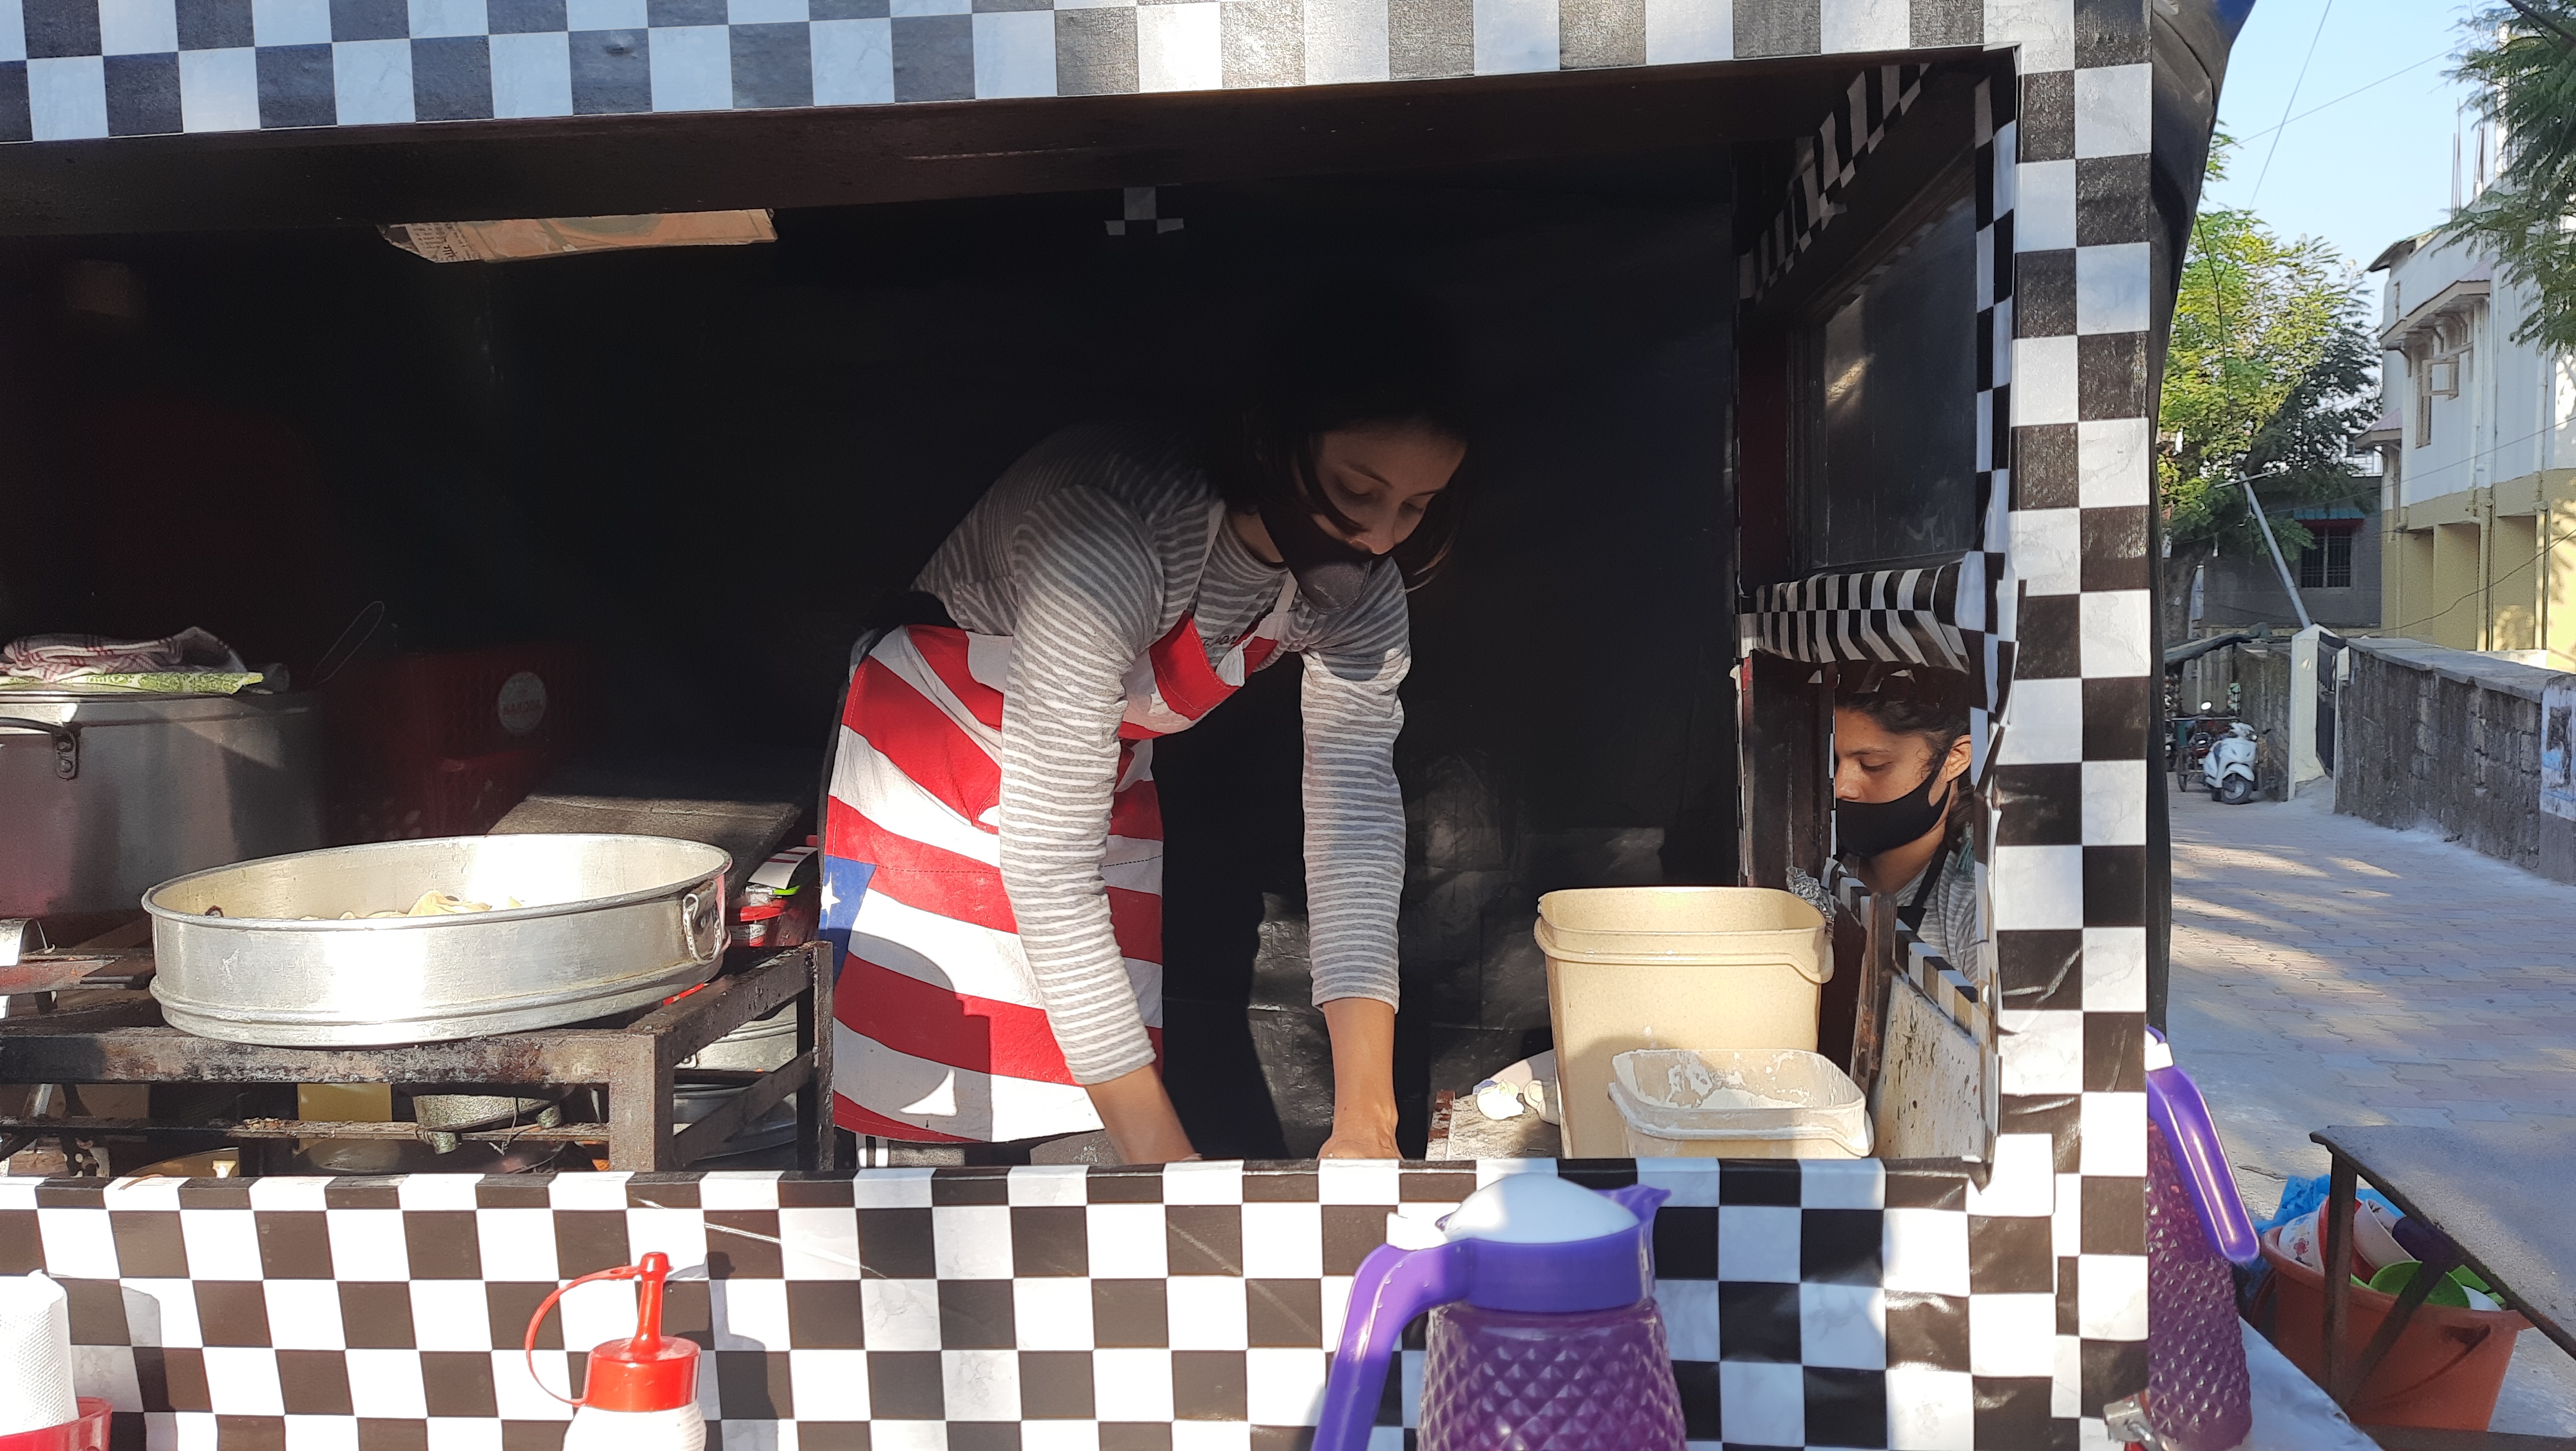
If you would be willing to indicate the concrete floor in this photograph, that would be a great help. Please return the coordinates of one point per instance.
(2328, 971)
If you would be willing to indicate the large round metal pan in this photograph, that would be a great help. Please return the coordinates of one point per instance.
(606, 923)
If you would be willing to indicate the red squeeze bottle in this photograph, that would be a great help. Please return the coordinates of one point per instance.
(641, 1393)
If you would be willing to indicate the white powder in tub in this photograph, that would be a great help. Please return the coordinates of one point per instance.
(1690, 1083)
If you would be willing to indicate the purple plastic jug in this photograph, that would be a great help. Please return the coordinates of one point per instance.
(1544, 1335)
(2198, 1394)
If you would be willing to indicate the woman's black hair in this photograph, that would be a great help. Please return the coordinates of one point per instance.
(1911, 700)
(1349, 358)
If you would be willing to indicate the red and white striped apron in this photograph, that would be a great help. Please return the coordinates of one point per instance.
(941, 1035)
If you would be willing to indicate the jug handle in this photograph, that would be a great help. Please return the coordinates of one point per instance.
(1392, 1286)
(2174, 1102)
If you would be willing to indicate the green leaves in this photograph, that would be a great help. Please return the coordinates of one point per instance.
(2267, 378)
(2525, 71)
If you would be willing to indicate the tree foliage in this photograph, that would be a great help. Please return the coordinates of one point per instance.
(2268, 378)
(2524, 68)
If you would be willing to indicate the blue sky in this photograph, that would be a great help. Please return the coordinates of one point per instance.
(2360, 172)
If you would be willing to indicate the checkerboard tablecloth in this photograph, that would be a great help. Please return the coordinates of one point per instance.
(1808, 1304)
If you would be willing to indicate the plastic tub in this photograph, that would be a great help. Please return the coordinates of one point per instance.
(1671, 967)
(2443, 1373)
(1672, 1104)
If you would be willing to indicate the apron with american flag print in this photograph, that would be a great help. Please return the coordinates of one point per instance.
(940, 1034)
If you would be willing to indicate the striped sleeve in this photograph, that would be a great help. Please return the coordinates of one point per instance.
(1354, 809)
(1090, 590)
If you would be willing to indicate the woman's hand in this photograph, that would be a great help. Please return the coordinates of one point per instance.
(1363, 1033)
(1349, 1143)
(1138, 1115)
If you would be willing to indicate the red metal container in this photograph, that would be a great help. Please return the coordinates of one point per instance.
(445, 743)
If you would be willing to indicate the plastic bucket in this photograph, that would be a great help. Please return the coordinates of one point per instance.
(2442, 1374)
(1672, 1104)
(1671, 967)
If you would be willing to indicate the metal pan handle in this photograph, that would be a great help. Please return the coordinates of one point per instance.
(66, 742)
(695, 918)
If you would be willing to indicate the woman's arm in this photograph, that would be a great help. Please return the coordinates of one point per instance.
(1363, 1031)
(1089, 593)
(1355, 859)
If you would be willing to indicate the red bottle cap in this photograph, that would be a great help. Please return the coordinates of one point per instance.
(85, 1432)
(652, 1371)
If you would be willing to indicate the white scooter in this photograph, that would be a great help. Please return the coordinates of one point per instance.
(2228, 769)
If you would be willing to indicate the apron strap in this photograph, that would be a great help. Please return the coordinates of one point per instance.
(1910, 912)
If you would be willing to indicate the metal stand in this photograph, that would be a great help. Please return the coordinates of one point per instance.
(638, 1065)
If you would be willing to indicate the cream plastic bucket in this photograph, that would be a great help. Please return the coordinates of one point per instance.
(1680, 1103)
(1671, 967)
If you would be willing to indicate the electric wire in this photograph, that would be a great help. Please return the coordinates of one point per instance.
(2339, 100)
(2301, 80)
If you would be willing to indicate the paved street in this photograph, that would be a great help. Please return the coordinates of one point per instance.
(2326, 970)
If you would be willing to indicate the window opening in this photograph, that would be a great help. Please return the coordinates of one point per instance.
(2327, 562)
(1887, 421)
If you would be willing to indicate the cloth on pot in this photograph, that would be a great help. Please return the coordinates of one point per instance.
(191, 661)
(2302, 1196)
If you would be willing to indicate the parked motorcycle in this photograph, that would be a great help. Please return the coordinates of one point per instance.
(2228, 769)
(2188, 748)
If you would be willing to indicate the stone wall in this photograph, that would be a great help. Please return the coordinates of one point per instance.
(2449, 740)
(2264, 671)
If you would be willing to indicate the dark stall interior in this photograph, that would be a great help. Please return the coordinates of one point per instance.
(693, 471)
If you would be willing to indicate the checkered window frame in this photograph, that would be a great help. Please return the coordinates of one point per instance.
(1900, 616)
(1826, 162)
(2054, 615)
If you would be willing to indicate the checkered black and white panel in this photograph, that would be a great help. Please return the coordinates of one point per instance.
(1945, 986)
(2054, 615)
(1827, 161)
(1844, 1304)
(2068, 781)
(1901, 616)
(84, 68)
(1986, 589)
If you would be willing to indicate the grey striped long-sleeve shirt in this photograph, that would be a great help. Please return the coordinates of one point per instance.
(1087, 551)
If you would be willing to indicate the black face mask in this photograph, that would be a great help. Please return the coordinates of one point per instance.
(1868, 828)
(1331, 575)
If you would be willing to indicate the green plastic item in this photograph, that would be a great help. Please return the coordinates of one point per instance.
(2393, 1280)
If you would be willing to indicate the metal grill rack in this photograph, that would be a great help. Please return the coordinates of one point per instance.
(637, 1064)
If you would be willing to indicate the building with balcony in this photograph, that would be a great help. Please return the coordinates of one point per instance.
(2478, 484)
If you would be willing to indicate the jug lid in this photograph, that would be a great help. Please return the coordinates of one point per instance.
(1541, 1243)
(1536, 1209)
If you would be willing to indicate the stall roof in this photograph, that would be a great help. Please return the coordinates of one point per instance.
(352, 63)
(843, 155)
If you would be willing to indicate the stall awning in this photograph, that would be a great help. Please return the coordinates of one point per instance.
(1899, 616)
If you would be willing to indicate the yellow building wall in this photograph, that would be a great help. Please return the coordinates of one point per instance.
(2406, 575)
(2514, 572)
(2487, 568)
(2453, 609)
(2556, 585)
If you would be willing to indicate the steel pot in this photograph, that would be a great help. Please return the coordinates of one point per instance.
(608, 923)
(103, 795)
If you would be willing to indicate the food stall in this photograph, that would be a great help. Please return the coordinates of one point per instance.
(1815, 333)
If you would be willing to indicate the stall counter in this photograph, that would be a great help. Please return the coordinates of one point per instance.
(1182, 1306)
